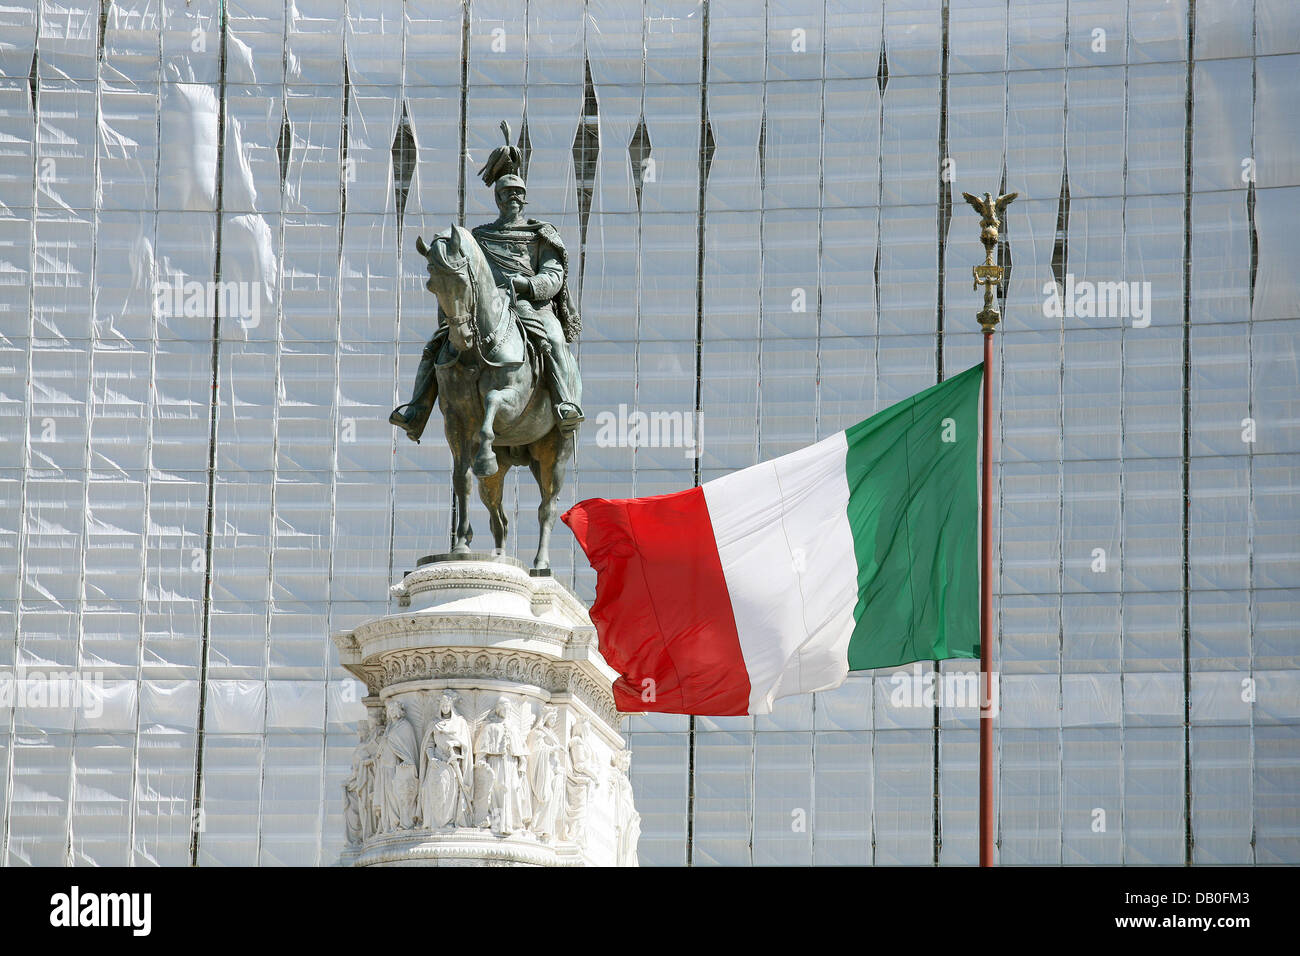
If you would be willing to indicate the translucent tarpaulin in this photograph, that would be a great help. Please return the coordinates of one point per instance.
(767, 242)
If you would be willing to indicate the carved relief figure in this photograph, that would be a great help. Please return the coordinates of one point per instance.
(500, 772)
(546, 774)
(372, 810)
(582, 777)
(398, 783)
(447, 768)
(627, 822)
(358, 788)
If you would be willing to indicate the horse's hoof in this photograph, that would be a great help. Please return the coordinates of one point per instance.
(485, 467)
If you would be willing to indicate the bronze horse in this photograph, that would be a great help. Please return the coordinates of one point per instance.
(496, 411)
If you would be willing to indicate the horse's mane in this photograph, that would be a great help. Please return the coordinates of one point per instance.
(479, 272)
(476, 267)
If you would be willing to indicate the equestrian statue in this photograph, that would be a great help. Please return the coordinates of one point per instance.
(499, 365)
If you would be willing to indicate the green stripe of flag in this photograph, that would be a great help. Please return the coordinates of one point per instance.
(914, 516)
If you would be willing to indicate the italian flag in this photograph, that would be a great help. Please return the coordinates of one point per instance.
(856, 552)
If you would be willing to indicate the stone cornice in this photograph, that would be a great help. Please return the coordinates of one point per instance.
(396, 631)
(402, 667)
(449, 578)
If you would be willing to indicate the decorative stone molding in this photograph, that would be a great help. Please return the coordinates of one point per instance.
(458, 849)
(461, 581)
(492, 736)
(394, 668)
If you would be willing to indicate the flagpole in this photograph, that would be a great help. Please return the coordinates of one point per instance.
(988, 275)
(986, 613)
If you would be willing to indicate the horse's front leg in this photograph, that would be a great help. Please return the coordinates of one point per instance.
(458, 440)
(485, 461)
(492, 490)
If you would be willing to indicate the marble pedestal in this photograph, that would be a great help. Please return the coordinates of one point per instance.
(492, 736)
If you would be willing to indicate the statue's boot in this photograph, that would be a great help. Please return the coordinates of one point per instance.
(414, 415)
(411, 418)
(568, 414)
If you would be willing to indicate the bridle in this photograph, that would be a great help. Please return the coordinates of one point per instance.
(467, 318)
(483, 343)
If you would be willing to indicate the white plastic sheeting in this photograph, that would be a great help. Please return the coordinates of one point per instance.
(134, 535)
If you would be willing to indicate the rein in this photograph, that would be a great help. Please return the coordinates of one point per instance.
(482, 343)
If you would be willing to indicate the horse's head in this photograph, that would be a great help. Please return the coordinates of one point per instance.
(452, 280)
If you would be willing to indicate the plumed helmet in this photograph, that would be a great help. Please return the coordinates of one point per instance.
(504, 165)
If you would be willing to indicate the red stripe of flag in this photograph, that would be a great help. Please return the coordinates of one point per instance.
(662, 613)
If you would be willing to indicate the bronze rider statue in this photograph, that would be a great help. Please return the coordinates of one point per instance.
(531, 266)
